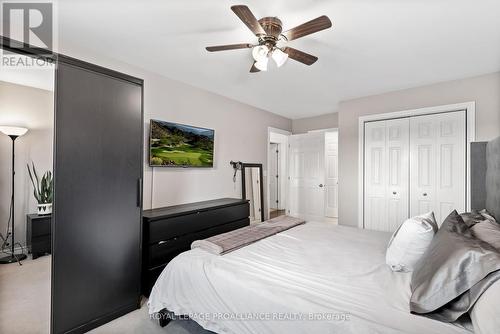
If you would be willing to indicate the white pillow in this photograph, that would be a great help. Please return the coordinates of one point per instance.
(485, 313)
(410, 241)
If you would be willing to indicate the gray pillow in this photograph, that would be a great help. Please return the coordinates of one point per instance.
(475, 216)
(489, 232)
(456, 269)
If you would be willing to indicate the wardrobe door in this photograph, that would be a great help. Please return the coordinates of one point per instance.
(375, 200)
(398, 159)
(386, 174)
(97, 212)
(438, 164)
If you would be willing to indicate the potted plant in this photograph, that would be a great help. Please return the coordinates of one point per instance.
(43, 189)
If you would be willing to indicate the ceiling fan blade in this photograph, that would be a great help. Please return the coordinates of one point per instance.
(318, 24)
(228, 47)
(300, 56)
(245, 15)
(254, 69)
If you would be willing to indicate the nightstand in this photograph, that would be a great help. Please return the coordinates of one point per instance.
(38, 234)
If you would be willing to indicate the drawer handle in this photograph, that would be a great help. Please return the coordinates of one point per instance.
(165, 241)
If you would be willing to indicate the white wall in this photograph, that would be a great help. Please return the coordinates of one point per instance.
(31, 108)
(303, 125)
(241, 133)
(485, 90)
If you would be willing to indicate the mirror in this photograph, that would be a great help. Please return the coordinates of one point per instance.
(26, 139)
(253, 190)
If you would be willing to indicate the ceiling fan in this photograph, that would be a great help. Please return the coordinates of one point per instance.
(269, 31)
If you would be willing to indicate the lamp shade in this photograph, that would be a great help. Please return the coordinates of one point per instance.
(261, 65)
(13, 130)
(260, 53)
(279, 57)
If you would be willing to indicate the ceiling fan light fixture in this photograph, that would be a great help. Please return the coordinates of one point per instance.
(261, 65)
(260, 53)
(279, 57)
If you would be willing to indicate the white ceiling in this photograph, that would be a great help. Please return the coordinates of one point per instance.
(375, 45)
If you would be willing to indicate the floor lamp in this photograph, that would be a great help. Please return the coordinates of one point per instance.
(13, 133)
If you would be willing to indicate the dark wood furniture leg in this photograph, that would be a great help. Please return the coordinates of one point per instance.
(164, 317)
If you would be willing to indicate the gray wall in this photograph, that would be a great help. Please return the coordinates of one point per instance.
(32, 108)
(485, 90)
(304, 125)
(240, 134)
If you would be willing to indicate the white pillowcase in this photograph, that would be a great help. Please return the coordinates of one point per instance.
(410, 241)
(485, 313)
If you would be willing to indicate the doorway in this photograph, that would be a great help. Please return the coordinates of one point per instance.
(277, 172)
(413, 162)
(313, 175)
(275, 175)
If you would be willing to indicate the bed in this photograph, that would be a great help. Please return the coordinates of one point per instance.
(314, 278)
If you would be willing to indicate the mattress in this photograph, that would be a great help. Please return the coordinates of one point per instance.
(314, 278)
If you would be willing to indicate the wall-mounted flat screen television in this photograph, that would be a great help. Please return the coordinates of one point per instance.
(179, 145)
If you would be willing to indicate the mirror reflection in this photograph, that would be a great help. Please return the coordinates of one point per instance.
(26, 141)
(253, 190)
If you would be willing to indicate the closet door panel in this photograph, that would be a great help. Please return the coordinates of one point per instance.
(451, 164)
(386, 174)
(398, 164)
(375, 210)
(422, 164)
(438, 164)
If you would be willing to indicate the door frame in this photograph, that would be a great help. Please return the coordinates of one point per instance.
(338, 178)
(267, 200)
(470, 124)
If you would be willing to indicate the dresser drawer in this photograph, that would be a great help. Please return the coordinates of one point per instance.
(40, 227)
(165, 229)
(164, 251)
(40, 246)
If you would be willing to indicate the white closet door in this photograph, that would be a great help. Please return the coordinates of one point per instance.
(307, 176)
(398, 155)
(438, 164)
(386, 174)
(332, 174)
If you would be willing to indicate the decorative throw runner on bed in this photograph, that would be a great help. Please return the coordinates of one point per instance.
(233, 240)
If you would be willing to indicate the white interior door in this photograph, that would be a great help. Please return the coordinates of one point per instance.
(273, 177)
(438, 164)
(256, 194)
(332, 174)
(307, 176)
(386, 174)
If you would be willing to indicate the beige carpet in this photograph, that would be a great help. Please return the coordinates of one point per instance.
(25, 297)
(25, 305)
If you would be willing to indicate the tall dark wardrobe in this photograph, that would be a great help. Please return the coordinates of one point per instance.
(98, 164)
(98, 170)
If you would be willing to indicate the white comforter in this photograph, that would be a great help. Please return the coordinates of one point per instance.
(314, 278)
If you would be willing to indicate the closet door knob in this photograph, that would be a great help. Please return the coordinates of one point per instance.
(321, 186)
(394, 193)
(425, 194)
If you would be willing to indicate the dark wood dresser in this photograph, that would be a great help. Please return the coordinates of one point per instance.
(169, 231)
(38, 234)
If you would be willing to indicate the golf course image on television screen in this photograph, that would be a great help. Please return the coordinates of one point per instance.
(178, 145)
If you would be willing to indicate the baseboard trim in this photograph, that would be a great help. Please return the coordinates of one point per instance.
(102, 320)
